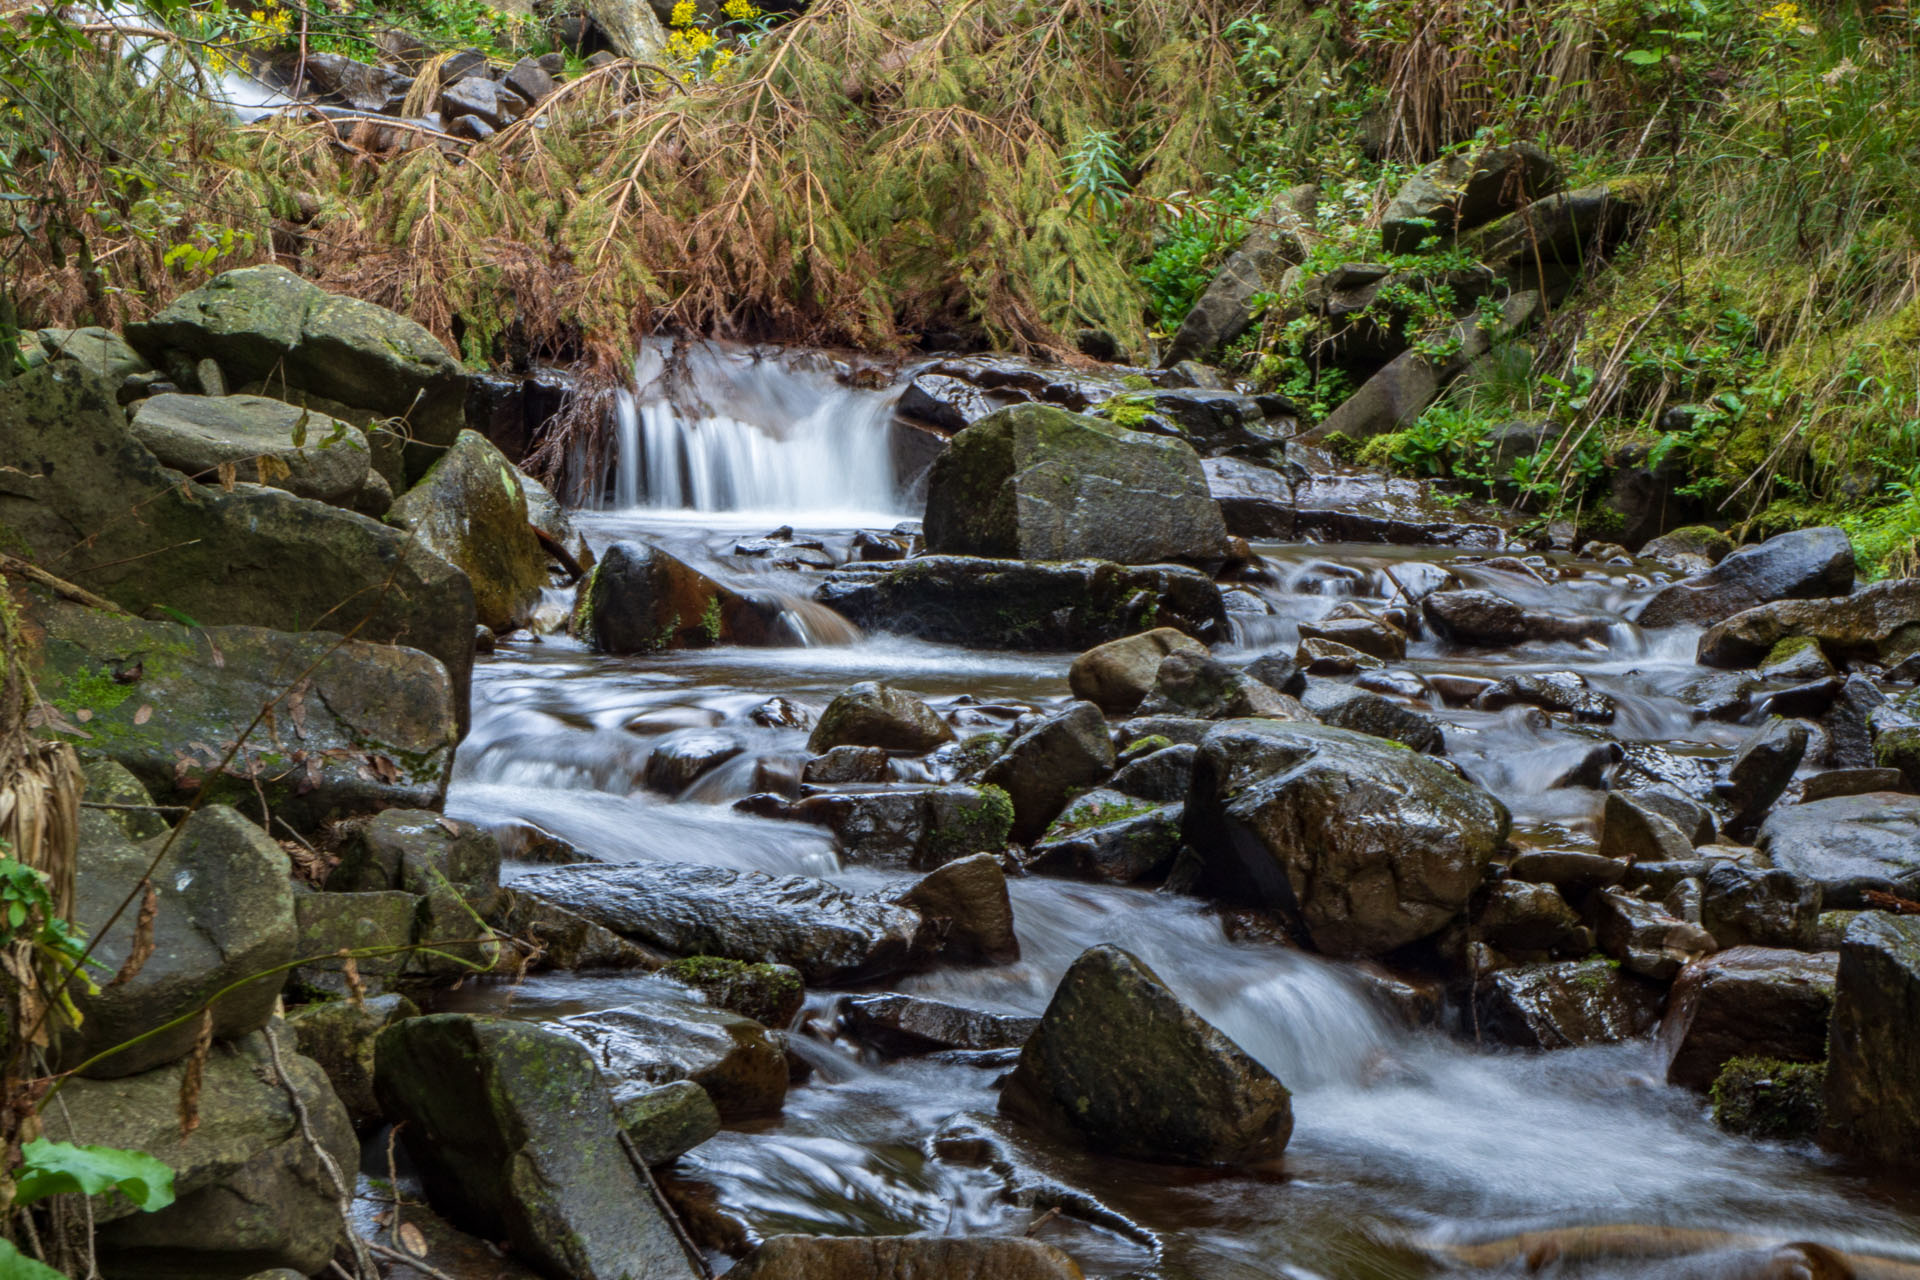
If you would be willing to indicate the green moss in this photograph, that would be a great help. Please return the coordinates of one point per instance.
(710, 620)
(1769, 1098)
(93, 690)
(982, 827)
(1077, 819)
(1145, 746)
(767, 993)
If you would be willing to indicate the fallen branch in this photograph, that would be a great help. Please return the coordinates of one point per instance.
(559, 554)
(59, 586)
(1893, 902)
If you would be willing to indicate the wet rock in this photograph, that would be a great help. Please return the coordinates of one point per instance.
(1567, 868)
(470, 509)
(264, 442)
(1797, 660)
(1694, 820)
(378, 927)
(339, 1035)
(1460, 192)
(1747, 1002)
(1762, 767)
(1518, 916)
(1849, 782)
(530, 80)
(872, 715)
(1370, 846)
(1278, 670)
(1566, 692)
(1873, 1072)
(484, 99)
(1038, 483)
(1122, 1063)
(1066, 752)
(1216, 420)
(1480, 617)
(1357, 629)
(1003, 604)
(1632, 832)
(1255, 501)
(1879, 623)
(906, 1026)
(781, 713)
(829, 934)
(1346, 707)
(920, 827)
(1564, 1005)
(564, 940)
(1644, 938)
(1160, 777)
(770, 994)
(1106, 835)
(252, 1194)
(639, 599)
(839, 765)
(1117, 675)
(224, 915)
(901, 1257)
(1803, 564)
(673, 765)
(1767, 1098)
(257, 556)
(1644, 767)
(665, 1121)
(267, 325)
(1196, 685)
(1744, 906)
(1692, 548)
(1331, 658)
(356, 84)
(742, 1067)
(513, 1133)
(1894, 731)
(968, 912)
(1161, 731)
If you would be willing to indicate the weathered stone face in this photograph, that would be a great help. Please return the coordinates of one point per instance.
(1115, 676)
(658, 1041)
(1848, 844)
(1120, 1062)
(1562, 1005)
(1803, 564)
(1747, 1002)
(470, 510)
(1873, 1065)
(873, 715)
(1038, 483)
(325, 460)
(1068, 751)
(1880, 623)
(639, 599)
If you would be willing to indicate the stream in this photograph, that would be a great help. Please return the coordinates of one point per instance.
(1404, 1137)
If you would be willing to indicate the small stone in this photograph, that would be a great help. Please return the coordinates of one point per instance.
(873, 715)
(665, 1121)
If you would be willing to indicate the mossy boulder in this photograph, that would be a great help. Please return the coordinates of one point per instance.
(871, 714)
(85, 498)
(265, 442)
(665, 1121)
(340, 1036)
(365, 728)
(513, 1132)
(1747, 1002)
(1035, 482)
(266, 325)
(1067, 752)
(661, 1038)
(1565, 1004)
(1873, 1063)
(470, 509)
(1769, 1098)
(767, 993)
(1122, 1064)
(639, 599)
(1368, 845)
(1879, 623)
(1459, 192)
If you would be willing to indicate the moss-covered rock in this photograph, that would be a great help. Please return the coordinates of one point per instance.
(1873, 1064)
(340, 1035)
(768, 993)
(1565, 1004)
(1035, 482)
(265, 442)
(665, 1121)
(1880, 623)
(470, 508)
(1768, 1098)
(639, 599)
(1067, 752)
(1747, 1002)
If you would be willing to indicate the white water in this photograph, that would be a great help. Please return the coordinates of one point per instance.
(712, 427)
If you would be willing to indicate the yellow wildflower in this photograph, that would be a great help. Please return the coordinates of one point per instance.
(741, 10)
(684, 14)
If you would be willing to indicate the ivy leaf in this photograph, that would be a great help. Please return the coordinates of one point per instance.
(1641, 57)
(56, 1168)
(15, 1265)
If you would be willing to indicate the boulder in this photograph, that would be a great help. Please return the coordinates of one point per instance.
(680, 758)
(1459, 192)
(1117, 675)
(1161, 775)
(1345, 707)
(339, 1035)
(1747, 1002)
(1225, 309)
(1034, 482)
(1107, 835)
(513, 1133)
(1255, 501)
(1804, 564)
(486, 100)
(665, 1121)
(770, 994)
(742, 1067)
(101, 351)
(905, 1258)
(918, 827)
(1213, 419)
(223, 914)
(1771, 1099)
(1367, 845)
(1204, 688)
(830, 935)
(1482, 618)
(564, 940)
(1880, 623)
(631, 27)
(1635, 833)
(1564, 1005)
(419, 851)
(1829, 783)
(379, 928)
(357, 84)
(840, 765)
(1517, 916)
(469, 509)
(1893, 727)
(1645, 938)
(639, 599)
(905, 1026)
(1564, 692)
(1873, 1063)
(872, 715)
(1120, 1062)
(1692, 548)
(1556, 238)
(1746, 906)
(256, 556)
(1762, 767)
(1010, 604)
(968, 912)
(1358, 630)
(1066, 752)
(265, 442)
(1796, 660)
(266, 325)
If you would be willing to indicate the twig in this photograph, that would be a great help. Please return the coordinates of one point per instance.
(407, 1259)
(552, 546)
(59, 586)
(687, 1246)
(343, 1193)
(138, 808)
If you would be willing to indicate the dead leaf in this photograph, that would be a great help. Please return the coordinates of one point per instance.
(144, 714)
(196, 1068)
(412, 1239)
(227, 473)
(350, 970)
(83, 715)
(142, 949)
(447, 824)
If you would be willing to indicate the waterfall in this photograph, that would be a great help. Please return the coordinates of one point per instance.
(717, 428)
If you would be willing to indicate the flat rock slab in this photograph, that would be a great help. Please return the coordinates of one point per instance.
(323, 458)
(1848, 844)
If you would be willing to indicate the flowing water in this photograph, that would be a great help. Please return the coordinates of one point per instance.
(1405, 1139)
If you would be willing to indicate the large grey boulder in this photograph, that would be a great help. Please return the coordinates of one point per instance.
(1115, 676)
(830, 935)
(265, 442)
(365, 728)
(250, 1192)
(1258, 265)
(470, 509)
(664, 1039)
(1034, 482)
(1747, 1002)
(639, 599)
(871, 714)
(1880, 623)
(1369, 846)
(267, 326)
(257, 556)
(631, 27)
(1873, 1062)
(1121, 1063)
(513, 1132)
(1804, 564)
(1848, 845)
(1461, 191)
(968, 912)
(1015, 604)
(1068, 751)
(905, 1258)
(223, 913)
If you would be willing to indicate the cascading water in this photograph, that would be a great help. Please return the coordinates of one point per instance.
(710, 427)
